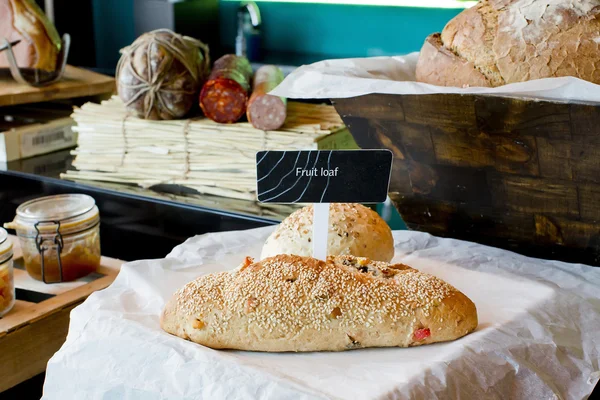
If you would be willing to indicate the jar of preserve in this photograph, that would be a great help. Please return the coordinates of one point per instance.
(59, 237)
(7, 284)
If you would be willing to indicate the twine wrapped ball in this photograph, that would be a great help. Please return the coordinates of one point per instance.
(160, 74)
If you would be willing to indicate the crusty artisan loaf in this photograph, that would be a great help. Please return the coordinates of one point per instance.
(40, 43)
(292, 303)
(353, 230)
(497, 42)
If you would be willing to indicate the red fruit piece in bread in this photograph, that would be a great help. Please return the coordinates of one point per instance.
(422, 334)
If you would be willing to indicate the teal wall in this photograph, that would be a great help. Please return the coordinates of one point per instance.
(316, 31)
(338, 31)
(114, 29)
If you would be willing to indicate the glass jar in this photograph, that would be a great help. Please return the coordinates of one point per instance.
(7, 283)
(59, 237)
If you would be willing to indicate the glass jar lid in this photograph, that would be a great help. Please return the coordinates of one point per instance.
(67, 213)
(56, 208)
(5, 246)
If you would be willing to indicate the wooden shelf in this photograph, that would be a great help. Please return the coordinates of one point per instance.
(76, 82)
(33, 331)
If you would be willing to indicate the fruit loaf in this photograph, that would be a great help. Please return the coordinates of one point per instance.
(40, 43)
(291, 303)
(353, 230)
(498, 42)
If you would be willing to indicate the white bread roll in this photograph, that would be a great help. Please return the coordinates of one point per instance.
(291, 303)
(353, 230)
(498, 42)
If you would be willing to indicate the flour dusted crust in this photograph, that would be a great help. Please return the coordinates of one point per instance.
(508, 41)
(291, 303)
(40, 43)
(353, 230)
(438, 65)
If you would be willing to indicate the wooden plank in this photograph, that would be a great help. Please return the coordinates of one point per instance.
(400, 179)
(414, 139)
(585, 123)
(20, 306)
(409, 176)
(514, 117)
(589, 201)
(555, 158)
(32, 332)
(423, 214)
(441, 110)
(24, 281)
(481, 225)
(464, 222)
(109, 266)
(577, 161)
(407, 141)
(66, 293)
(510, 229)
(517, 174)
(530, 195)
(585, 161)
(451, 184)
(76, 82)
(14, 320)
(537, 235)
(424, 178)
(472, 148)
(26, 351)
(379, 134)
(568, 233)
(375, 106)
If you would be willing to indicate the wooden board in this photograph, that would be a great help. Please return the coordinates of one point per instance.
(76, 82)
(33, 331)
(513, 173)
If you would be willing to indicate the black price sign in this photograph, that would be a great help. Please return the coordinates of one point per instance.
(323, 176)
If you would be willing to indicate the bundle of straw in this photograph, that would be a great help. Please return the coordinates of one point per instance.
(205, 156)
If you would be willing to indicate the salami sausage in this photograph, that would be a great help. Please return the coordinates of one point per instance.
(265, 111)
(225, 94)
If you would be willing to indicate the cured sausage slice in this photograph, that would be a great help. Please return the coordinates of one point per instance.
(265, 111)
(224, 96)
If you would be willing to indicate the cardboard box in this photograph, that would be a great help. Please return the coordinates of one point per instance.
(35, 139)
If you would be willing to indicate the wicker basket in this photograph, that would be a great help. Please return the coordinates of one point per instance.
(517, 174)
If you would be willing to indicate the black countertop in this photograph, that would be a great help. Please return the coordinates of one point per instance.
(135, 223)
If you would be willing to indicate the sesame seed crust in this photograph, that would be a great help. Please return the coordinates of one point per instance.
(353, 229)
(293, 303)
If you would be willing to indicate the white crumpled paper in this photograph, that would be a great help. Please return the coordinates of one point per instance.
(342, 78)
(538, 338)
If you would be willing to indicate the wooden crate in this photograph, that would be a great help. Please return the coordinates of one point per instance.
(37, 326)
(517, 174)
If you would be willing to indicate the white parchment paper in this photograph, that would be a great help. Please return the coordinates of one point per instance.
(538, 338)
(342, 78)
